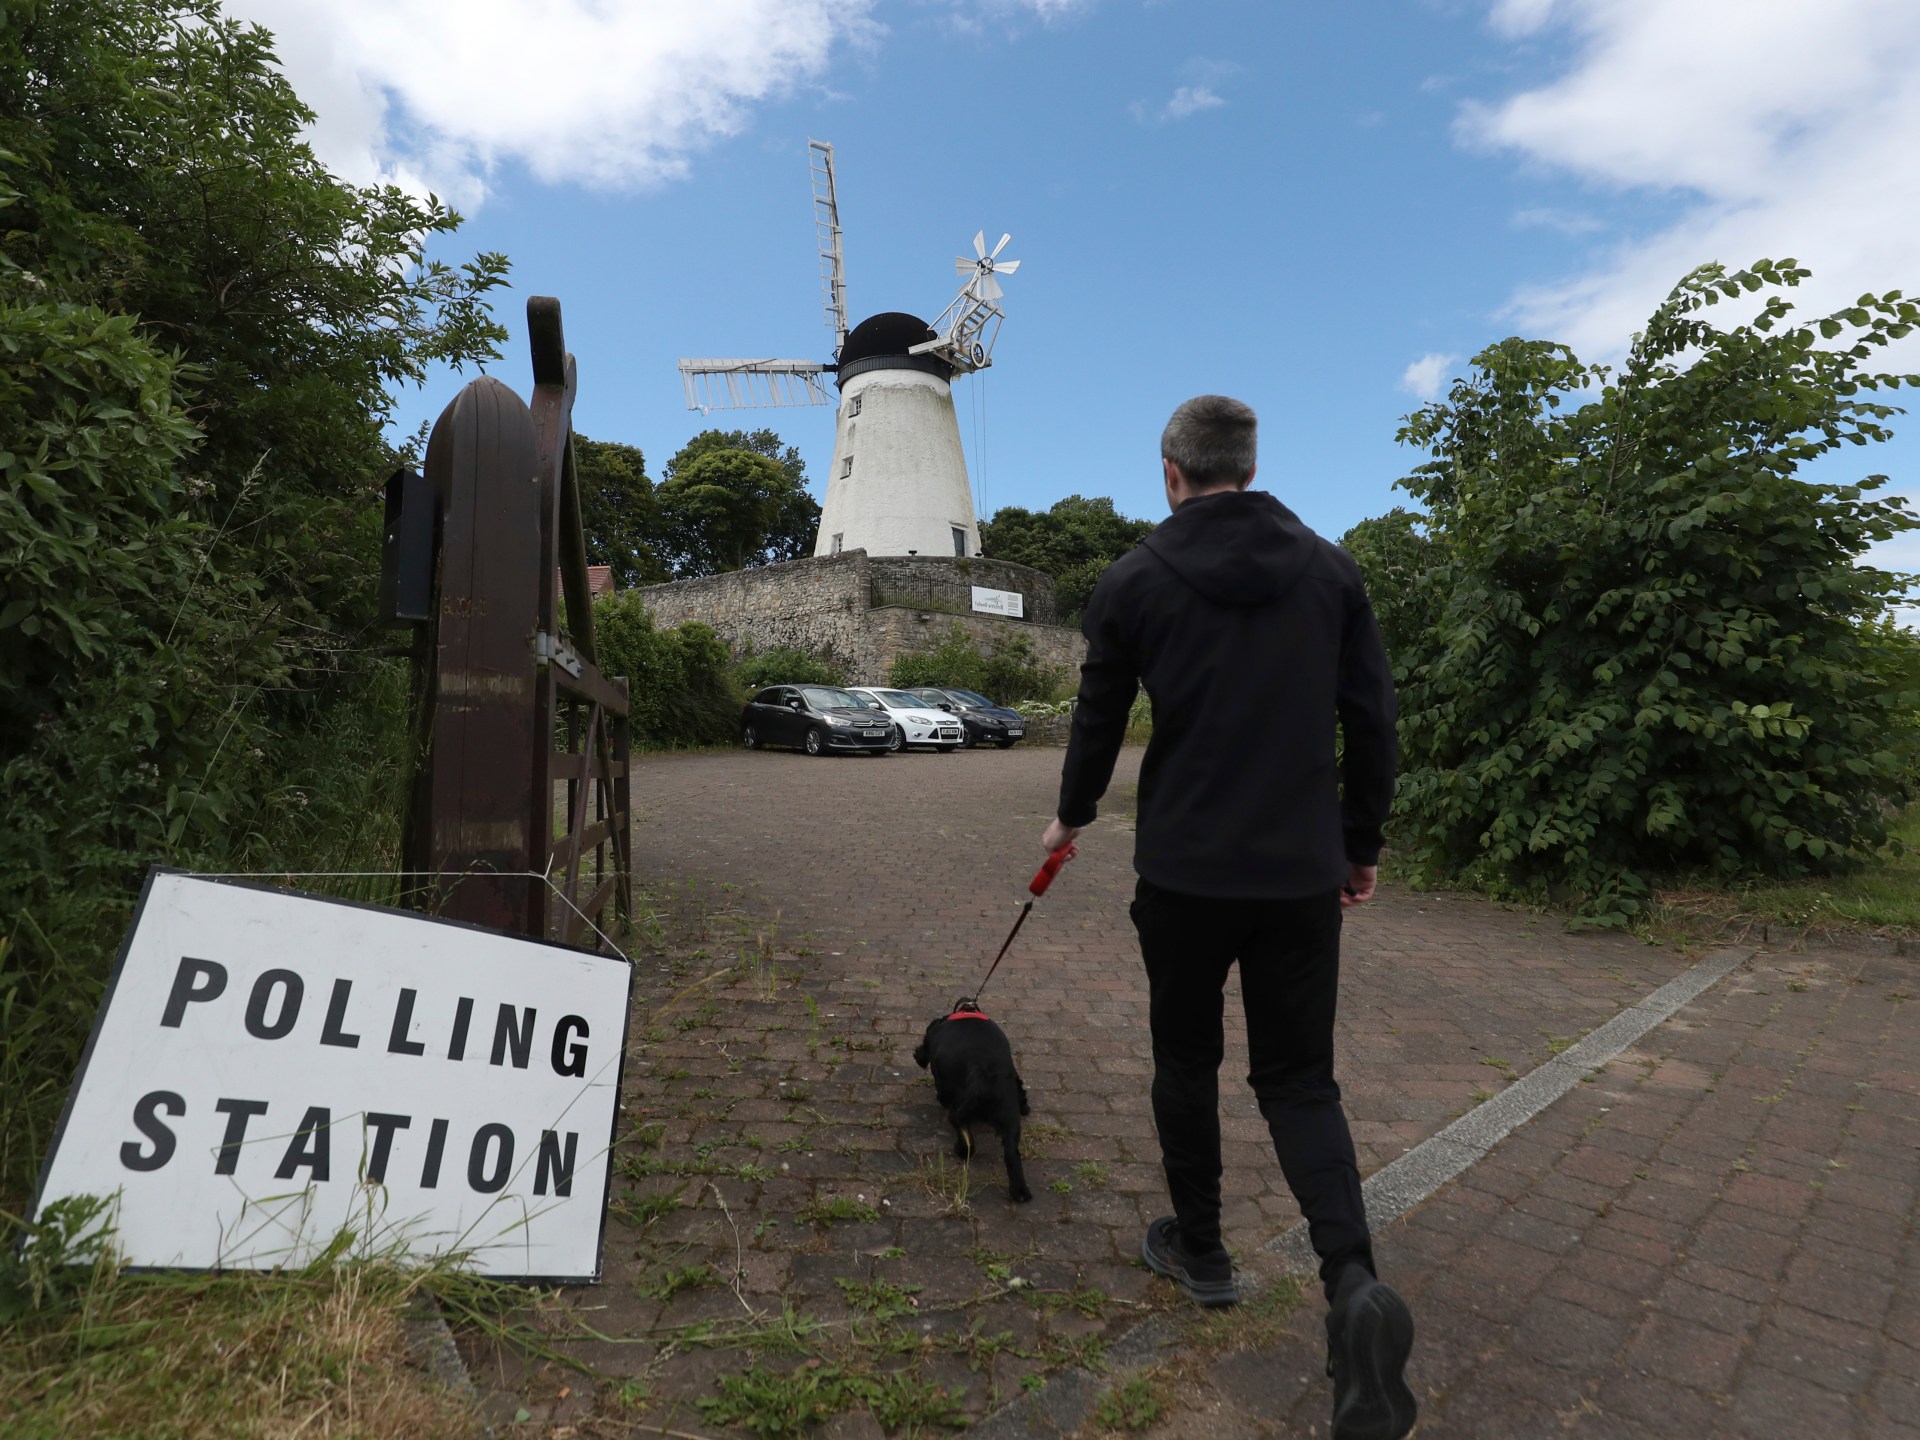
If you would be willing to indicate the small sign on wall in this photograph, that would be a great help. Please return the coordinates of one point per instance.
(270, 1070)
(999, 602)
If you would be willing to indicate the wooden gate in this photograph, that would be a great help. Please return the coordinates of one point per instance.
(520, 812)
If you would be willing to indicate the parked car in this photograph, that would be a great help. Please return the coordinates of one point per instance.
(816, 719)
(914, 721)
(981, 718)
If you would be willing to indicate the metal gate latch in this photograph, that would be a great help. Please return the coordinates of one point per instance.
(552, 650)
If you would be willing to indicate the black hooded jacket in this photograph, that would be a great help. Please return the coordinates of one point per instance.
(1253, 637)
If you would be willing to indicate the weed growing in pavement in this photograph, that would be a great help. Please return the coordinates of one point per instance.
(1260, 1320)
(979, 1345)
(640, 1209)
(1087, 1300)
(648, 1136)
(900, 1402)
(1091, 1173)
(1061, 1187)
(688, 1277)
(781, 1407)
(776, 1406)
(1035, 1135)
(1133, 1404)
(946, 1181)
(824, 1210)
(878, 1298)
(632, 1394)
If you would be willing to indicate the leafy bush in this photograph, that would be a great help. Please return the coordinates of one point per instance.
(1007, 672)
(198, 328)
(681, 681)
(784, 665)
(1631, 640)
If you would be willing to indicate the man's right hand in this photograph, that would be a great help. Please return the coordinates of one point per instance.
(1359, 887)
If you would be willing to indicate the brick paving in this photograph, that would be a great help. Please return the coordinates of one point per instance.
(780, 1130)
(1714, 1236)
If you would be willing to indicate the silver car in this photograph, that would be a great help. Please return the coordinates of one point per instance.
(915, 723)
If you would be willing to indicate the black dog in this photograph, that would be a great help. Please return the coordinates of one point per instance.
(976, 1084)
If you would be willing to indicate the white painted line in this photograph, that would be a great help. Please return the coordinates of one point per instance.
(1395, 1189)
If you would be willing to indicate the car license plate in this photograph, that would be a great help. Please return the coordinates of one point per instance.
(1012, 730)
(874, 734)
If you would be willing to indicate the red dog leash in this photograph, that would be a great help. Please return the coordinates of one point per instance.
(1037, 886)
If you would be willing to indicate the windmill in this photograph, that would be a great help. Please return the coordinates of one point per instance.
(898, 485)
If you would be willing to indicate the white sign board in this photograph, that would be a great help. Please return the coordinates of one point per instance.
(999, 602)
(270, 1070)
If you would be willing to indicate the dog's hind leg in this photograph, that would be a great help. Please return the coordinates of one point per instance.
(1009, 1127)
(962, 1140)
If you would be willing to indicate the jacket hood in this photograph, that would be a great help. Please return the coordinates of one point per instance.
(1240, 548)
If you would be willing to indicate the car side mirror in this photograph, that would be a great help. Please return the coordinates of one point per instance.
(793, 704)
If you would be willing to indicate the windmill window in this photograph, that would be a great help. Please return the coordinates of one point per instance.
(853, 406)
(959, 542)
(846, 467)
(836, 541)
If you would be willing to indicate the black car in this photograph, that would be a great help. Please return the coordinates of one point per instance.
(816, 719)
(982, 719)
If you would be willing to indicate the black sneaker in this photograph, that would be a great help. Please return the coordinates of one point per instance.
(1207, 1279)
(1369, 1336)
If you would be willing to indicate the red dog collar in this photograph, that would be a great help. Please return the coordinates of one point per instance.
(968, 1015)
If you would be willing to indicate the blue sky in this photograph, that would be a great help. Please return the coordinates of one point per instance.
(1322, 209)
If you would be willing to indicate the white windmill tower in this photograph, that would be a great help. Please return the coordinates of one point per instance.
(898, 485)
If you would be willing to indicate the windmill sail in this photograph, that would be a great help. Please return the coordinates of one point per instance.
(745, 384)
(826, 226)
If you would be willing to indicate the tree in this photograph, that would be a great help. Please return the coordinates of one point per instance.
(1638, 642)
(1074, 541)
(618, 511)
(732, 499)
(1397, 558)
(199, 326)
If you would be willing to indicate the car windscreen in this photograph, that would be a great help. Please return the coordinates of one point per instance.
(900, 700)
(821, 698)
(971, 698)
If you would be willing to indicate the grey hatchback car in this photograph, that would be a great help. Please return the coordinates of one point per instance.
(817, 719)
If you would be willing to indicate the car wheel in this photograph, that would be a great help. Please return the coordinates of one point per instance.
(898, 741)
(968, 740)
(948, 749)
(816, 742)
(752, 736)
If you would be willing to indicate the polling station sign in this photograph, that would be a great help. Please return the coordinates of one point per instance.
(270, 1070)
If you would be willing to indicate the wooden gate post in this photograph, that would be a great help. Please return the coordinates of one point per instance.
(503, 685)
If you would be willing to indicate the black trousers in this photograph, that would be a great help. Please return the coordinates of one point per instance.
(1289, 956)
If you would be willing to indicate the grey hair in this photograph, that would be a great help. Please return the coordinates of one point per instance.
(1213, 439)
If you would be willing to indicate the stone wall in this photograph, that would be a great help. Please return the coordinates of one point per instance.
(894, 630)
(944, 582)
(811, 604)
(826, 605)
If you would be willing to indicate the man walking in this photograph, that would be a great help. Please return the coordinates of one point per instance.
(1254, 637)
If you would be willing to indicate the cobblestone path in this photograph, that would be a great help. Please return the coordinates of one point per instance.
(816, 913)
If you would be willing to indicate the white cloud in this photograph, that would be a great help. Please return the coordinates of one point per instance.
(1567, 222)
(1191, 100)
(1198, 93)
(1776, 126)
(1428, 375)
(612, 96)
